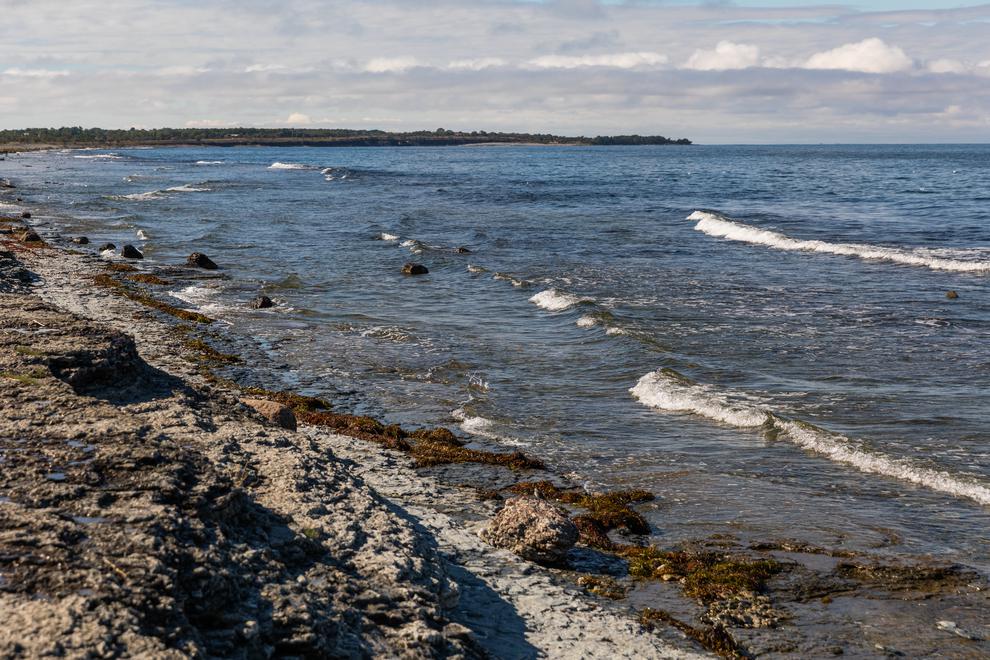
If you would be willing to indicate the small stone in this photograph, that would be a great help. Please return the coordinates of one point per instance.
(200, 260)
(534, 529)
(130, 252)
(463, 250)
(80, 240)
(415, 269)
(26, 215)
(262, 302)
(108, 247)
(273, 412)
(951, 295)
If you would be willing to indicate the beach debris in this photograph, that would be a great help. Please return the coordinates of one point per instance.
(108, 247)
(130, 252)
(951, 295)
(273, 411)
(532, 528)
(200, 260)
(262, 302)
(80, 240)
(415, 269)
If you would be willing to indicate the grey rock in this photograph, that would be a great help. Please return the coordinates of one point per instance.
(415, 269)
(107, 246)
(80, 240)
(262, 302)
(200, 260)
(534, 529)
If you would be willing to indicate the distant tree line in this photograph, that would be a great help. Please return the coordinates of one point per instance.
(78, 136)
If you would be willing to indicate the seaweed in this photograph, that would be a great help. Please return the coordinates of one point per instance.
(609, 510)
(604, 586)
(122, 289)
(210, 354)
(428, 453)
(121, 268)
(704, 575)
(714, 638)
(147, 278)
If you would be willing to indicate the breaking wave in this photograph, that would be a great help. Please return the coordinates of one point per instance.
(158, 194)
(669, 391)
(722, 227)
(290, 166)
(553, 300)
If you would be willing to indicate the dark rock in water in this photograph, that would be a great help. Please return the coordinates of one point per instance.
(4, 183)
(534, 529)
(30, 237)
(18, 199)
(26, 215)
(951, 295)
(262, 302)
(463, 250)
(130, 252)
(80, 240)
(107, 246)
(200, 260)
(415, 269)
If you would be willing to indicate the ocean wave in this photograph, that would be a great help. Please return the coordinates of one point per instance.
(722, 227)
(158, 194)
(141, 235)
(669, 391)
(100, 157)
(290, 166)
(516, 282)
(555, 301)
(476, 269)
(210, 162)
(482, 427)
(385, 236)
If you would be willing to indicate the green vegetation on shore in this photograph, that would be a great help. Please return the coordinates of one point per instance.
(75, 136)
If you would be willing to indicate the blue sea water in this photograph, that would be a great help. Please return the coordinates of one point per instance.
(761, 335)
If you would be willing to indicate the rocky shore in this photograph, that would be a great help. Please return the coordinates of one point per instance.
(152, 504)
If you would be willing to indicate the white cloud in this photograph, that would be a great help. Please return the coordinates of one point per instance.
(726, 55)
(182, 70)
(263, 68)
(298, 119)
(867, 56)
(476, 64)
(946, 65)
(34, 73)
(615, 60)
(390, 64)
(208, 123)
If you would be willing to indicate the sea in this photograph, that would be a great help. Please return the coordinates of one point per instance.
(762, 335)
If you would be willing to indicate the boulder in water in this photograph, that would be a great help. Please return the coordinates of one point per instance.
(26, 215)
(30, 236)
(951, 295)
(415, 269)
(262, 302)
(200, 260)
(534, 529)
(108, 246)
(130, 252)
(463, 250)
(80, 240)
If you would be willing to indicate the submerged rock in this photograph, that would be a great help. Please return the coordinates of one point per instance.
(415, 269)
(262, 302)
(80, 240)
(131, 252)
(108, 246)
(200, 260)
(951, 295)
(534, 529)
(273, 411)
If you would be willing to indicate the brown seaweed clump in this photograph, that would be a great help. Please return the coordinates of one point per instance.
(715, 638)
(142, 298)
(148, 278)
(210, 354)
(605, 511)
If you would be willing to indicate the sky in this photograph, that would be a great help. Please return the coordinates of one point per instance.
(770, 71)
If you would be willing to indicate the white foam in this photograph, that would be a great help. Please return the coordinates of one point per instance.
(476, 269)
(188, 187)
(385, 236)
(482, 426)
(667, 391)
(141, 235)
(100, 157)
(555, 301)
(141, 197)
(289, 166)
(209, 162)
(614, 330)
(586, 322)
(157, 194)
(721, 227)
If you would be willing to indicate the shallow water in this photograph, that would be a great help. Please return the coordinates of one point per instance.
(759, 334)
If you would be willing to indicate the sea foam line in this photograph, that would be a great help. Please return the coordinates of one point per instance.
(722, 227)
(669, 391)
(553, 300)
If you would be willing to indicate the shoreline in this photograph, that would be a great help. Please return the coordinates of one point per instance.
(539, 610)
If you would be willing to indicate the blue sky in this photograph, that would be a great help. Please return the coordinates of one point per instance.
(743, 72)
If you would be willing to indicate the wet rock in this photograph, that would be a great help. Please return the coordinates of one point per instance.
(30, 237)
(26, 215)
(273, 412)
(463, 250)
(200, 260)
(108, 246)
(4, 183)
(415, 269)
(80, 240)
(131, 252)
(534, 529)
(951, 295)
(262, 302)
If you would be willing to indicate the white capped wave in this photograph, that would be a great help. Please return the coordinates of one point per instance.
(615, 330)
(482, 426)
(586, 322)
(157, 194)
(476, 269)
(141, 235)
(722, 227)
(668, 391)
(100, 157)
(289, 166)
(385, 236)
(555, 301)
(516, 282)
(209, 162)
(188, 187)
(141, 197)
